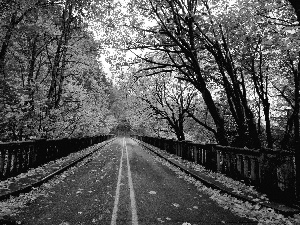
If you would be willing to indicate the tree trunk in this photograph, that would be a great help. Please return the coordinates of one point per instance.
(201, 84)
(14, 21)
(236, 98)
(218, 119)
(236, 109)
(266, 108)
(5, 44)
(211, 106)
(179, 134)
(296, 126)
(31, 68)
(288, 131)
(59, 64)
(296, 6)
(67, 36)
(54, 79)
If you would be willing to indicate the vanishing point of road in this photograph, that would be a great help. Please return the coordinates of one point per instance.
(124, 184)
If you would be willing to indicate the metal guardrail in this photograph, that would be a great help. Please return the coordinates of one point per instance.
(18, 157)
(270, 171)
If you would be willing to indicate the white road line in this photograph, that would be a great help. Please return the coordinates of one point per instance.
(117, 196)
(132, 198)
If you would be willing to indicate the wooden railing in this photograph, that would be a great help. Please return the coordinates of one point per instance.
(270, 171)
(18, 157)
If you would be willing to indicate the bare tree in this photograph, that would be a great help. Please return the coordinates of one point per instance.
(172, 103)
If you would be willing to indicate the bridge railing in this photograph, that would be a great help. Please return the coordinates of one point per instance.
(270, 171)
(18, 157)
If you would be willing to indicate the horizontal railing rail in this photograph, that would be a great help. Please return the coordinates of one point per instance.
(270, 171)
(19, 157)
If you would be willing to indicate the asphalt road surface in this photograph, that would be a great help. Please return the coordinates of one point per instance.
(124, 184)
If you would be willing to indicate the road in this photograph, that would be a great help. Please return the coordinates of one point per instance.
(124, 184)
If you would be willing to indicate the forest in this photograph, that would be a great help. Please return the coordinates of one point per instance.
(211, 71)
(51, 82)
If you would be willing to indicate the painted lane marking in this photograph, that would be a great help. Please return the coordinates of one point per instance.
(134, 217)
(117, 196)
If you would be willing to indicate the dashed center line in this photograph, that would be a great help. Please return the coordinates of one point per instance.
(134, 216)
(117, 196)
(132, 197)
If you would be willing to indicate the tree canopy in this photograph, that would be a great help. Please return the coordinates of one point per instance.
(211, 70)
(51, 82)
(240, 57)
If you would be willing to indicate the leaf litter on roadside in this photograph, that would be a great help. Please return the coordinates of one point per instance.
(12, 205)
(43, 170)
(262, 215)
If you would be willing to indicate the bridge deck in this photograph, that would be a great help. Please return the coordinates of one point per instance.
(124, 184)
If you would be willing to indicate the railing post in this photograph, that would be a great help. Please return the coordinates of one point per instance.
(233, 166)
(184, 150)
(2, 161)
(26, 158)
(245, 169)
(200, 155)
(239, 165)
(167, 145)
(173, 147)
(219, 162)
(162, 143)
(253, 170)
(224, 164)
(19, 153)
(191, 152)
(181, 148)
(32, 157)
(268, 173)
(15, 161)
(41, 151)
(177, 148)
(8, 162)
(213, 158)
(195, 149)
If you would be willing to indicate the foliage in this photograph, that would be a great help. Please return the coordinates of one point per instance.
(52, 84)
(240, 56)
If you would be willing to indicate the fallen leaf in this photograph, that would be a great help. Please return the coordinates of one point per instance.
(257, 207)
(175, 204)
(160, 220)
